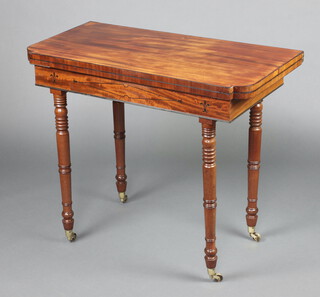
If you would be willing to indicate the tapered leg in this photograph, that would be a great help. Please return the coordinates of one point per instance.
(61, 113)
(119, 138)
(255, 132)
(209, 197)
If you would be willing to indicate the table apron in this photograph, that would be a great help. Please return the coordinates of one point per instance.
(205, 107)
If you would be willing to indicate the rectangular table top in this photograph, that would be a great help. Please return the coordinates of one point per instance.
(202, 66)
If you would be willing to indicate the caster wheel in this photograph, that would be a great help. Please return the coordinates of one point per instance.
(217, 277)
(123, 197)
(255, 236)
(71, 236)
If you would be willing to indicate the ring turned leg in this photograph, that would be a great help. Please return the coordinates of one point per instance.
(209, 191)
(119, 138)
(61, 116)
(255, 132)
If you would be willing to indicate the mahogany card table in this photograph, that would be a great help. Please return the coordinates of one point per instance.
(214, 80)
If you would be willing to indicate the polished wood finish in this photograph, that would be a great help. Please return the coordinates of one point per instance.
(209, 189)
(162, 70)
(63, 147)
(147, 96)
(201, 66)
(119, 139)
(255, 133)
(208, 78)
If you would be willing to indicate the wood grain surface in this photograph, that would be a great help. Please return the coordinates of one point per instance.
(133, 93)
(208, 78)
(119, 141)
(254, 152)
(147, 96)
(201, 66)
(64, 163)
(209, 189)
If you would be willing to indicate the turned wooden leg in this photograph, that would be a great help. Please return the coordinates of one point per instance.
(119, 139)
(209, 194)
(255, 132)
(61, 113)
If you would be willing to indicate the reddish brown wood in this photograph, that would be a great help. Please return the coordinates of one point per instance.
(63, 146)
(201, 66)
(212, 79)
(133, 93)
(209, 189)
(205, 77)
(144, 95)
(240, 106)
(255, 133)
(119, 138)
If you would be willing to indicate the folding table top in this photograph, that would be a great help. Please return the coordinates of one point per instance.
(201, 66)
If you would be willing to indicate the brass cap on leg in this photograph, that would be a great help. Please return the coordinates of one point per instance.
(253, 234)
(215, 276)
(71, 236)
(123, 197)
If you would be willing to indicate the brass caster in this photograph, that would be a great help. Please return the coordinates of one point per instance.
(123, 197)
(71, 236)
(255, 236)
(217, 277)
